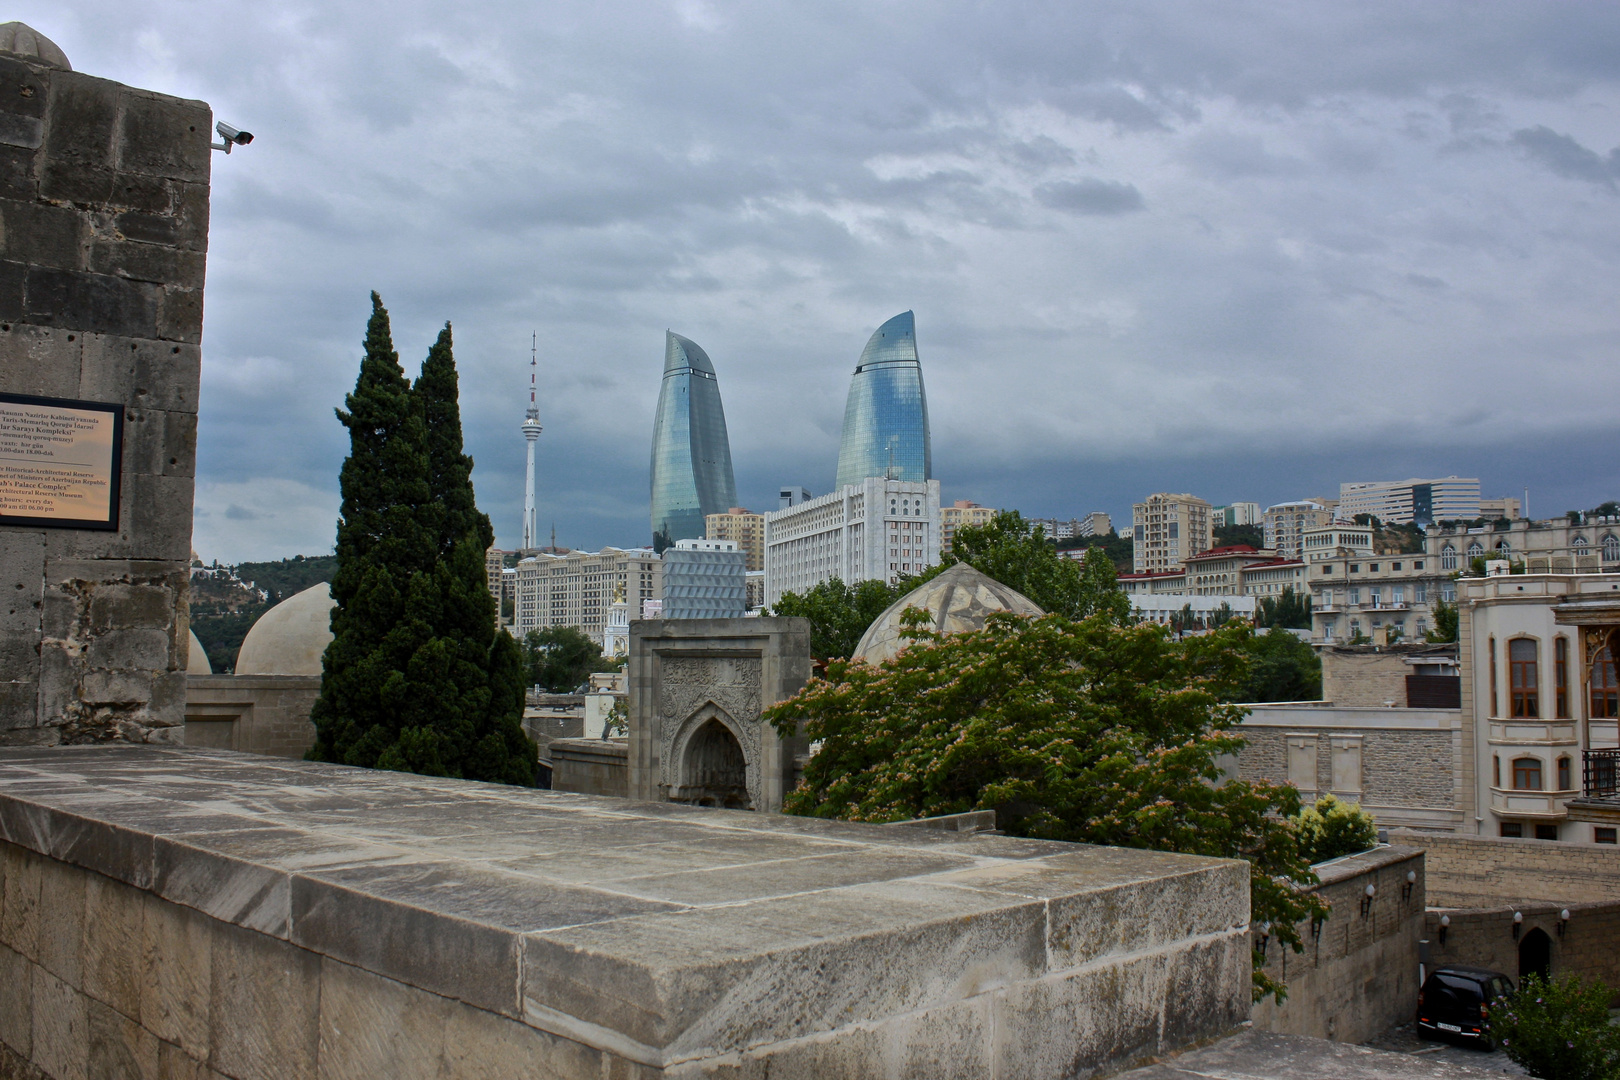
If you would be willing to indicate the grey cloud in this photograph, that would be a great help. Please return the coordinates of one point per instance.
(1090, 196)
(1568, 158)
(234, 512)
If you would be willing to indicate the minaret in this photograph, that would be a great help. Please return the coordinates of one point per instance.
(531, 432)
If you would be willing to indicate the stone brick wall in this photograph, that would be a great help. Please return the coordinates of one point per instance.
(260, 714)
(591, 766)
(103, 233)
(1469, 871)
(1364, 679)
(1589, 945)
(1358, 975)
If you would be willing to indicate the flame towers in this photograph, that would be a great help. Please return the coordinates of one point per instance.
(886, 415)
(691, 452)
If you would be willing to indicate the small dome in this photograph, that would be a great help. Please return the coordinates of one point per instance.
(197, 659)
(20, 39)
(290, 638)
(959, 599)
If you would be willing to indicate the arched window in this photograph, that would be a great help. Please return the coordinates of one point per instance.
(1494, 710)
(1563, 774)
(1504, 548)
(1527, 774)
(1522, 676)
(1448, 558)
(1605, 700)
(1475, 550)
(1579, 542)
(1611, 548)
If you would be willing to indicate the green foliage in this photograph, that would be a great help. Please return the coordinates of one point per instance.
(1559, 1029)
(560, 658)
(1358, 638)
(839, 614)
(1004, 549)
(1445, 623)
(1287, 609)
(1368, 519)
(222, 633)
(1606, 509)
(417, 677)
(1085, 731)
(1228, 535)
(1114, 546)
(1332, 828)
(288, 577)
(1281, 668)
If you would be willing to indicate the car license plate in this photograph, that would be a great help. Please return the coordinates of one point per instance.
(1448, 1027)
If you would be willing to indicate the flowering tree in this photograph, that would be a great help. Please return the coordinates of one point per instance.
(1085, 731)
(1559, 1029)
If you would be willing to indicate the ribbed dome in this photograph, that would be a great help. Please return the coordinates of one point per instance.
(197, 659)
(290, 638)
(959, 599)
(20, 39)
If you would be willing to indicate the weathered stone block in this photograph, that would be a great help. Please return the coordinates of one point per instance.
(176, 965)
(148, 228)
(264, 1000)
(19, 704)
(84, 186)
(371, 1026)
(17, 179)
(83, 111)
(119, 1047)
(114, 688)
(1085, 1022)
(192, 216)
(99, 303)
(20, 915)
(130, 650)
(147, 262)
(23, 131)
(16, 1001)
(22, 88)
(13, 291)
(165, 136)
(182, 314)
(142, 373)
(116, 606)
(40, 235)
(113, 944)
(61, 1027)
(61, 924)
(149, 195)
(39, 360)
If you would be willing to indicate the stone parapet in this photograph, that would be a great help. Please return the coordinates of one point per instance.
(1470, 871)
(189, 908)
(591, 766)
(259, 714)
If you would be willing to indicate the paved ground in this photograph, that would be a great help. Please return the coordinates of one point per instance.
(1403, 1040)
(1259, 1055)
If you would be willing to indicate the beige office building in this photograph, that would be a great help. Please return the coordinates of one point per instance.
(577, 589)
(1168, 530)
(745, 528)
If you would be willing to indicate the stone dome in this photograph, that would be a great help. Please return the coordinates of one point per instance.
(959, 599)
(290, 638)
(197, 659)
(20, 39)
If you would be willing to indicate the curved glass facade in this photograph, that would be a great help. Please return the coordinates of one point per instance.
(886, 416)
(691, 453)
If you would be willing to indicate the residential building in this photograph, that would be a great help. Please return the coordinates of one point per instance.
(886, 415)
(744, 527)
(1243, 513)
(959, 514)
(1407, 502)
(1235, 570)
(1220, 571)
(1128, 533)
(1285, 525)
(1096, 523)
(793, 496)
(494, 561)
(577, 588)
(1271, 578)
(691, 451)
(754, 580)
(1356, 594)
(704, 579)
(1505, 507)
(1206, 611)
(1054, 528)
(1168, 529)
(876, 529)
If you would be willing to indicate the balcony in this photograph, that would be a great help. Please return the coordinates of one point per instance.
(1516, 802)
(1598, 773)
(1532, 733)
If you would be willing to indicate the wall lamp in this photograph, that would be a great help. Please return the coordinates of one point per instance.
(1518, 921)
(1406, 889)
(1366, 899)
(1445, 924)
(1563, 920)
(1316, 928)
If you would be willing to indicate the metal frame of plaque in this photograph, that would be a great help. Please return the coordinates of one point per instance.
(108, 463)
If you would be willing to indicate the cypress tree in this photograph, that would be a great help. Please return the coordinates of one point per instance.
(417, 677)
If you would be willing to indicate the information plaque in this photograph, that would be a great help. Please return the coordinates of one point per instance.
(59, 462)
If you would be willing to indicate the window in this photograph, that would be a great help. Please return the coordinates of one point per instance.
(1605, 701)
(1373, 568)
(1494, 710)
(1420, 592)
(1563, 774)
(1376, 595)
(1393, 566)
(1603, 834)
(1561, 680)
(1611, 548)
(1448, 558)
(1327, 569)
(1398, 594)
(1354, 569)
(1448, 592)
(1522, 676)
(1418, 565)
(1546, 832)
(1496, 771)
(1513, 829)
(1422, 627)
(1475, 550)
(1527, 774)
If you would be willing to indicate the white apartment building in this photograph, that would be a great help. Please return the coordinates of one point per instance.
(1167, 530)
(1243, 513)
(876, 529)
(1403, 502)
(577, 589)
(1285, 525)
(1096, 523)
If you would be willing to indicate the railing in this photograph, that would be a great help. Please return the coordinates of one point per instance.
(1598, 770)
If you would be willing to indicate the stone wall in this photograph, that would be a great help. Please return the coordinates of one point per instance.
(591, 766)
(103, 234)
(1364, 678)
(1358, 975)
(185, 912)
(1588, 945)
(1469, 871)
(260, 714)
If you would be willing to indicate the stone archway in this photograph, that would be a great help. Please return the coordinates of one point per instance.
(1535, 954)
(711, 766)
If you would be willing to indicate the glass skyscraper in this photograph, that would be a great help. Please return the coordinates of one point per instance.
(886, 416)
(691, 453)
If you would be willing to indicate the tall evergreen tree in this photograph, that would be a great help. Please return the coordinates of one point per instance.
(417, 677)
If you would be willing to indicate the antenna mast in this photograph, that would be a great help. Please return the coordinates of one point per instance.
(531, 433)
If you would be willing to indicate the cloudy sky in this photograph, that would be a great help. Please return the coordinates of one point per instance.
(1247, 250)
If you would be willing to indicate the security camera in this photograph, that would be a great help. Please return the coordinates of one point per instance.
(232, 137)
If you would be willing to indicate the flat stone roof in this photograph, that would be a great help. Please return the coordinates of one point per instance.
(660, 932)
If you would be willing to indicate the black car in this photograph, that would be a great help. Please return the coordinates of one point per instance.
(1455, 1001)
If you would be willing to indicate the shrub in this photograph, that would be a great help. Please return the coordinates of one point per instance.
(1332, 828)
(1559, 1029)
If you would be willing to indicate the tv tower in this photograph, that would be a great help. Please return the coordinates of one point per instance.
(531, 432)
